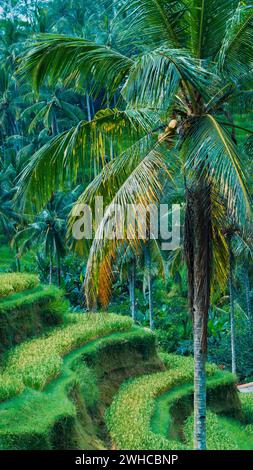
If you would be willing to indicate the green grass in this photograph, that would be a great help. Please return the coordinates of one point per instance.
(10, 283)
(223, 433)
(171, 407)
(133, 420)
(128, 418)
(28, 313)
(247, 406)
(28, 297)
(49, 419)
(36, 362)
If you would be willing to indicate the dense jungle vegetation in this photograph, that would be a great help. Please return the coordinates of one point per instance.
(141, 102)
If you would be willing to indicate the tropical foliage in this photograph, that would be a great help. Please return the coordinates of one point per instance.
(138, 102)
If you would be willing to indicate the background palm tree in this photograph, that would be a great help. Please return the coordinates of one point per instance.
(48, 230)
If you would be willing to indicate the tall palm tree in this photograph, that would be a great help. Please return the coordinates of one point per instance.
(178, 68)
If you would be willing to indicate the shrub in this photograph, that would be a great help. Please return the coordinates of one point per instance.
(11, 283)
(36, 362)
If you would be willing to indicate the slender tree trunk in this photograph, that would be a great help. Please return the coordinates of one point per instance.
(247, 293)
(232, 309)
(50, 270)
(59, 270)
(198, 256)
(150, 290)
(88, 107)
(151, 308)
(132, 280)
(17, 258)
(199, 382)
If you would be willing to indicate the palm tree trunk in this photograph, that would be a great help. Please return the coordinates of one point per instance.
(132, 280)
(247, 293)
(59, 270)
(50, 270)
(232, 309)
(17, 258)
(150, 290)
(198, 257)
(151, 308)
(199, 382)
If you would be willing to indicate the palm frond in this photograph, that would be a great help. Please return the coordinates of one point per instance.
(140, 189)
(235, 57)
(242, 102)
(66, 154)
(71, 59)
(207, 24)
(209, 150)
(157, 258)
(39, 116)
(155, 76)
(73, 112)
(113, 175)
(155, 21)
(220, 265)
(34, 108)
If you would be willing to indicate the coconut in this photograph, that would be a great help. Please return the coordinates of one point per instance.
(172, 124)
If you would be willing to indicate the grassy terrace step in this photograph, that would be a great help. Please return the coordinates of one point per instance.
(10, 283)
(36, 362)
(133, 420)
(27, 313)
(173, 407)
(223, 433)
(64, 414)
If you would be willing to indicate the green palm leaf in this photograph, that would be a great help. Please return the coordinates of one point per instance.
(155, 77)
(207, 24)
(209, 150)
(69, 153)
(155, 21)
(236, 53)
(141, 188)
(115, 172)
(69, 59)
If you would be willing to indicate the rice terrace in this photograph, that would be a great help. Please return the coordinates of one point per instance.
(126, 229)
